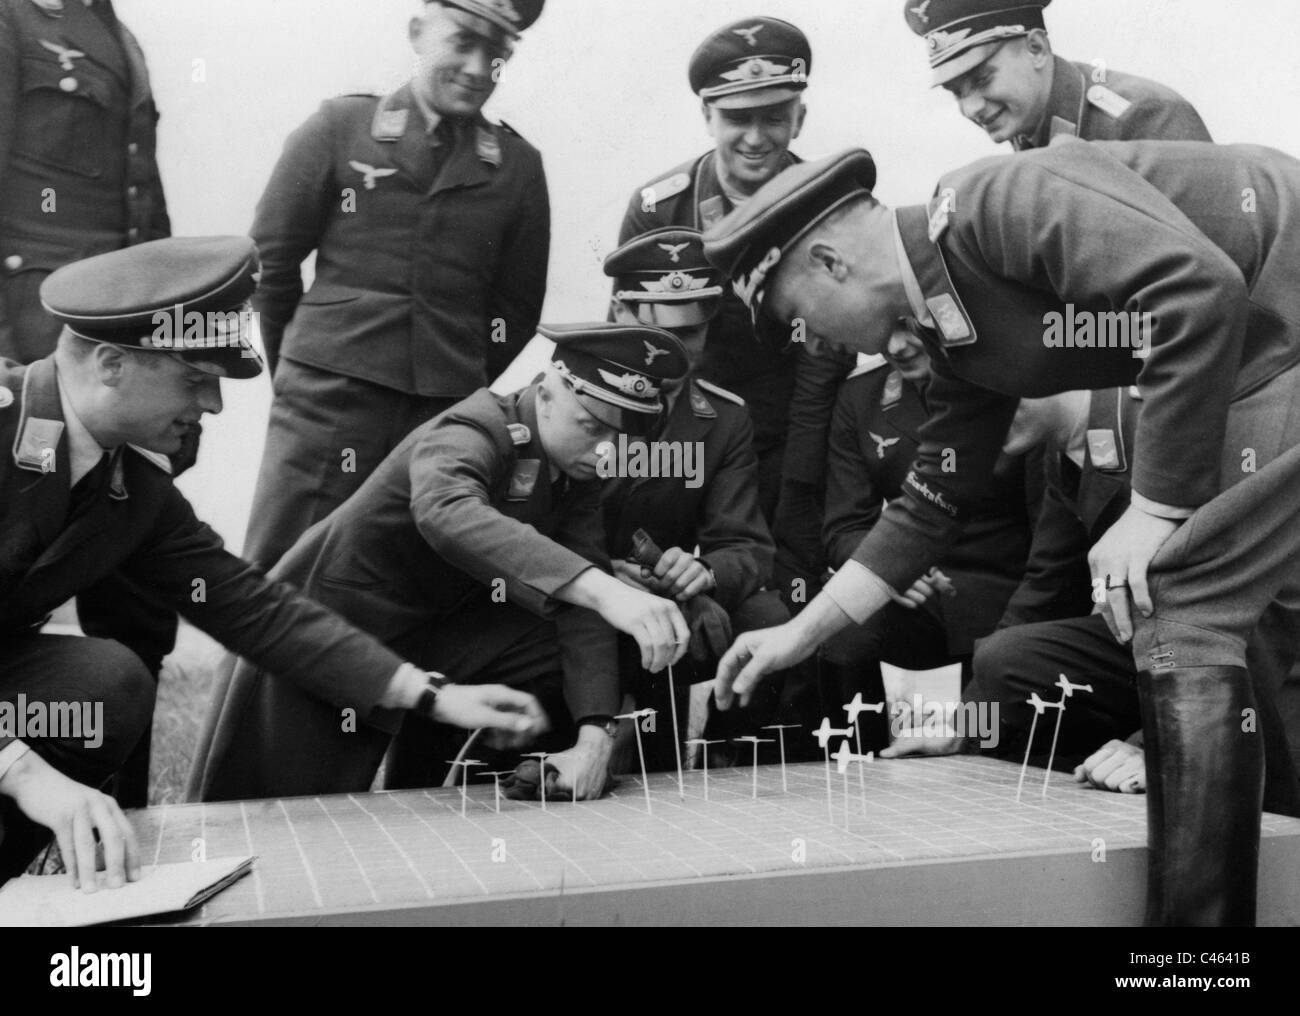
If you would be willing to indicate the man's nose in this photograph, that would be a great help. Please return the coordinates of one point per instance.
(210, 396)
(477, 64)
(971, 104)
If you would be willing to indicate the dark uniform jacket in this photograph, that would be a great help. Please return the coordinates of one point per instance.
(786, 388)
(721, 516)
(78, 170)
(140, 526)
(1079, 505)
(463, 508)
(431, 260)
(1201, 237)
(1121, 107)
(874, 438)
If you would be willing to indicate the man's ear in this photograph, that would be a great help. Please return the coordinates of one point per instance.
(798, 121)
(1039, 47)
(415, 28)
(825, 258)
(110, 364)
(707, 110)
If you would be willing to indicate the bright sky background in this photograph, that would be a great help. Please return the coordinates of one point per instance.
(600, 87)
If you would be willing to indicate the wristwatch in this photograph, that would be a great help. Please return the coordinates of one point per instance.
(606, 723)
(428, 699)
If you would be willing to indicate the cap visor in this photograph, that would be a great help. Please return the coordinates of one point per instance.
(236, 364)
(952, 69)
(756, 97)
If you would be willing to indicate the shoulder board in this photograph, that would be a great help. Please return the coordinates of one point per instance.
(6, 397)
(520, 434)
(867, 365)
(153, 458)
(50, 8)
(1108, 101)
(668, 187)
(721, 393)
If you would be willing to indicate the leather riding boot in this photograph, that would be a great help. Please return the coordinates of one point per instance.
(1205, 785)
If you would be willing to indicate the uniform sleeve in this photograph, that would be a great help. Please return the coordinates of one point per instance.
(817, 383)
(520, 285)
(733, 536)
(185, 566)
(454, 470)
(288, 224)
(853, 502)
(960, 444)
(588, 645)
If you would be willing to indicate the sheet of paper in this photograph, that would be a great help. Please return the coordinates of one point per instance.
(50, 901)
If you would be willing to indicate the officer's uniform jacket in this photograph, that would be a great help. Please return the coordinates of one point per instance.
(873, 442)
(78, 141)
(1079, 505)
(782, 384)
(141, 526)
(1148, 227)
(1120, 107)
(431, 260)
(463, 509)
(721, 516)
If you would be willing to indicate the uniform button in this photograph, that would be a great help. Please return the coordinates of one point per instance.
(68, 84)
(132, 149)
(132, 191)
(133, 234)
(13, 262)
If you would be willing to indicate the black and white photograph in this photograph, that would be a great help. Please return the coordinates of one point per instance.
(578, 463)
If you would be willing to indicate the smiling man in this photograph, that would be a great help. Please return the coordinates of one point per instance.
(85, 495)
(995, 57)
(751, 76)
(431, 228)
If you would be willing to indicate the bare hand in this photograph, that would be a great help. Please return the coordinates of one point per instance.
(75, 813)
(655, 623)
(629, 572)
(517, 716)
(1118, 563)
(752, 657)
(1116, 765)
(584, 768)
(680, 575)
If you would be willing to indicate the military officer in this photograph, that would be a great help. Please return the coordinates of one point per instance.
(431, 228)
(1048, 628)
(873, 442)
(78, 172)
(995, 58)
(1093, 265)
(86, 494)
(459, 551)
(750, 76)
(661, 278)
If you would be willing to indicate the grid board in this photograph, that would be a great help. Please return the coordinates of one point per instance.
(377, 857)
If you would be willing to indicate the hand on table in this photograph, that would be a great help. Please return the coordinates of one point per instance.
(75, 813)
(1117, 766)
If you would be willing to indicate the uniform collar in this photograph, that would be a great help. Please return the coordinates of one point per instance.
(910, 284)
(918, 229)
(431, 117)
(1065, 106)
